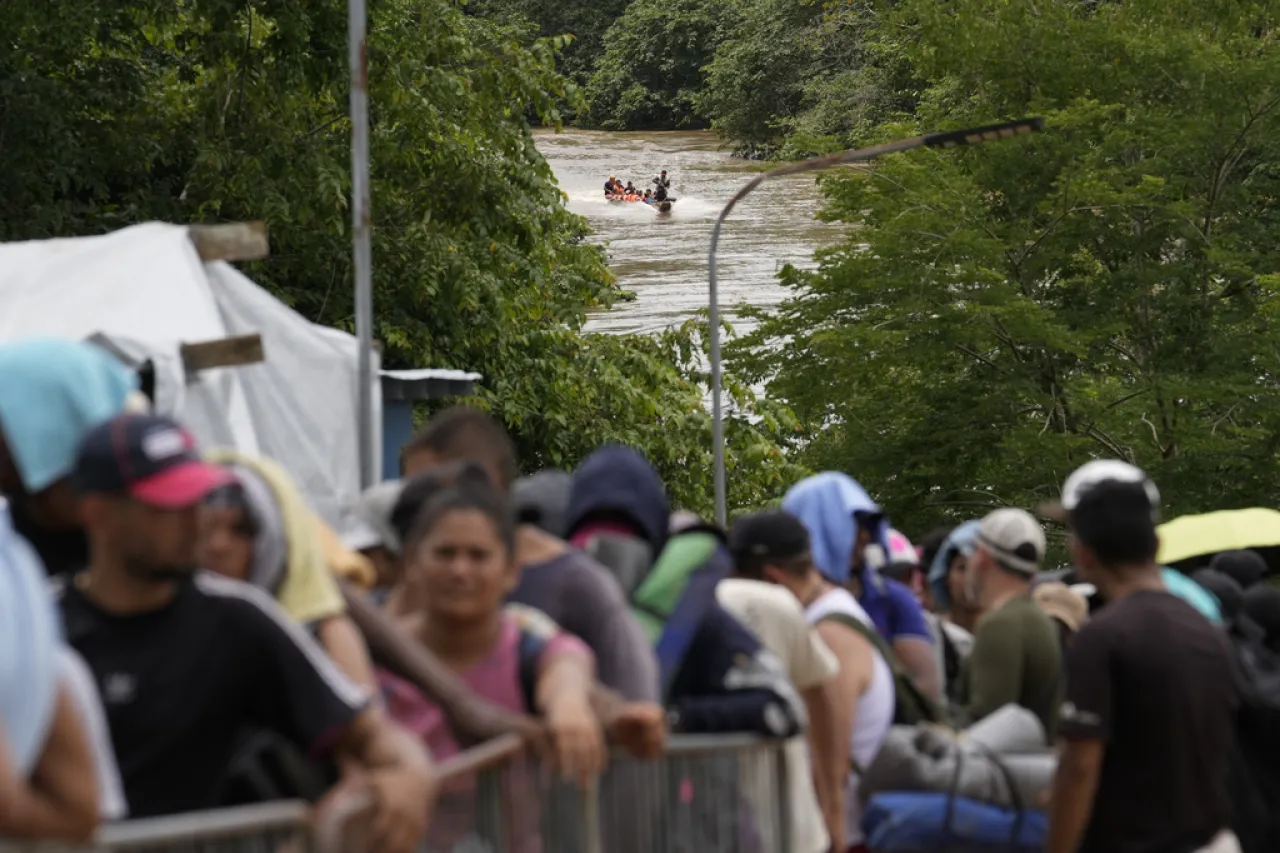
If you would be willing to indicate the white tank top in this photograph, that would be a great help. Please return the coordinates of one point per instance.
(874, 714)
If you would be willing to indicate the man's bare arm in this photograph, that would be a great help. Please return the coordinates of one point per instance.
(918, 658)
(397, 769)
(828, 781)
(61, 799)
(856, 657)
(1071, 799)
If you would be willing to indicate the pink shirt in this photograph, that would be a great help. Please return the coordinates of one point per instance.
(526, 637)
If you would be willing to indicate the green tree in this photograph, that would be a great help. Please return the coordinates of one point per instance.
(585, 20)
(1000, 314)
(651, 73)
(207, 110)
(798, 78)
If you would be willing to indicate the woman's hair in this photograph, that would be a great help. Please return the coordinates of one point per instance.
(930, 544)
(418, 491)
(470, 495)
(232, 496)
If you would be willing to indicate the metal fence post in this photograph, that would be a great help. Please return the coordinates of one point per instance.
(592, 835)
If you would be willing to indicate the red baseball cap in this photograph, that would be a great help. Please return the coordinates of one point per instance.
(151, 459)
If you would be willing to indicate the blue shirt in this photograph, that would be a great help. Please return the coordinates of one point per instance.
(893, 608)
(1192, 593)
(29, 636)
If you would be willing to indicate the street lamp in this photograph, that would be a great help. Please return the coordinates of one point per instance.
(947, 139)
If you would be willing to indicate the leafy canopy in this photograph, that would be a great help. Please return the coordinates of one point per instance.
(1000, 314)
(798, 78)
(206, 110)
(651, 72)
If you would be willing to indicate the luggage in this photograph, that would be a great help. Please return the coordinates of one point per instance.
(913, 822)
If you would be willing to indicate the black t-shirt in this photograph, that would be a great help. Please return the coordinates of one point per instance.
(62, 553)
(1151, 677)
(180, 684)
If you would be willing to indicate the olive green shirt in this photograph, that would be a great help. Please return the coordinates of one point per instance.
(1017, 659)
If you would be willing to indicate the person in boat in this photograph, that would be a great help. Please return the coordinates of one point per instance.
(663, 184)
(648, 196)
(631, 190)
(611, 187)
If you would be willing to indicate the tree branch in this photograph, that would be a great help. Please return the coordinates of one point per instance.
(1126, 398)
(982, 358)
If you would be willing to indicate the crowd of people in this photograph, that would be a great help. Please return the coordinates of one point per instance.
(616, 190)
(180, 625)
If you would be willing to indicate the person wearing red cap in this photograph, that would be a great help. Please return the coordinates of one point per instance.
(186, 660)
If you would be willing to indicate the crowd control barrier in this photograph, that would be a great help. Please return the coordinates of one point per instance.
(721, 794)
(283, 827)
(707, 794)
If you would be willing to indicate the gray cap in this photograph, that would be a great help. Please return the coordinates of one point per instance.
(1014, 538)
(542, 499)
(373, 509)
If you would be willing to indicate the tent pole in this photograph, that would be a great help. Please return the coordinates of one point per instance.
(362, 250)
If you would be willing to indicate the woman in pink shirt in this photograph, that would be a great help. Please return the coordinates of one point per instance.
(459, 564)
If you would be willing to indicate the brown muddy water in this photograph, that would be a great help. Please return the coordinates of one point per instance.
(662, 258)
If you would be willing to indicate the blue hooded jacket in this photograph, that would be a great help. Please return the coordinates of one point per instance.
(826, 503)
(961, 539)
(726, 681)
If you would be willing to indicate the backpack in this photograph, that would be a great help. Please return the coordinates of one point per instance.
(671, 596)
(1253, 780)
(910, 705)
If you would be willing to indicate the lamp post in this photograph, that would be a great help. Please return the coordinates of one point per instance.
(946, 139)
(361, 229)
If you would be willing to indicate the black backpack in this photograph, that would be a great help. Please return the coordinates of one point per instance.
(1254, 777)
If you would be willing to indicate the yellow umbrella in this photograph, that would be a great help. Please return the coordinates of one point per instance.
(1225, 530)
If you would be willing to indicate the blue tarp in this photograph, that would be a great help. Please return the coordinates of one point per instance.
(919, 822)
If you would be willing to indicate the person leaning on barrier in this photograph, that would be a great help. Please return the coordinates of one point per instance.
(636, 727)
(460, 559)
(566, 584)
(259, 529)
(184, 659)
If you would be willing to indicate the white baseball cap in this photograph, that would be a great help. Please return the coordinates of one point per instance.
(1092, 474)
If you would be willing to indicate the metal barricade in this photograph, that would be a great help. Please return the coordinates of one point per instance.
(283, 827)
(721, 794)
(707, 794)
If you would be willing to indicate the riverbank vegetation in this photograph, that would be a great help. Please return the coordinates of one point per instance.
(1107, 288)
(214, 110)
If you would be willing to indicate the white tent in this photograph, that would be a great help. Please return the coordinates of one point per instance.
(144, 292)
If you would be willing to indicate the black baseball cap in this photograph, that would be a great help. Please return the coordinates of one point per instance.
(149, 458)
(773, 535)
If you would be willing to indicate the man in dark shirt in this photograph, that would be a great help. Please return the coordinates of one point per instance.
(1148, 718)
(185, 661)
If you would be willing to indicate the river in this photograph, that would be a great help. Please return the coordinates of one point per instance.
(662, 258)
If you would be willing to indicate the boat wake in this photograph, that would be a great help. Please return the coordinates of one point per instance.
(597, 206)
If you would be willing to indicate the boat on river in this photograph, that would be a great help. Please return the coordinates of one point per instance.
(663, 206)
